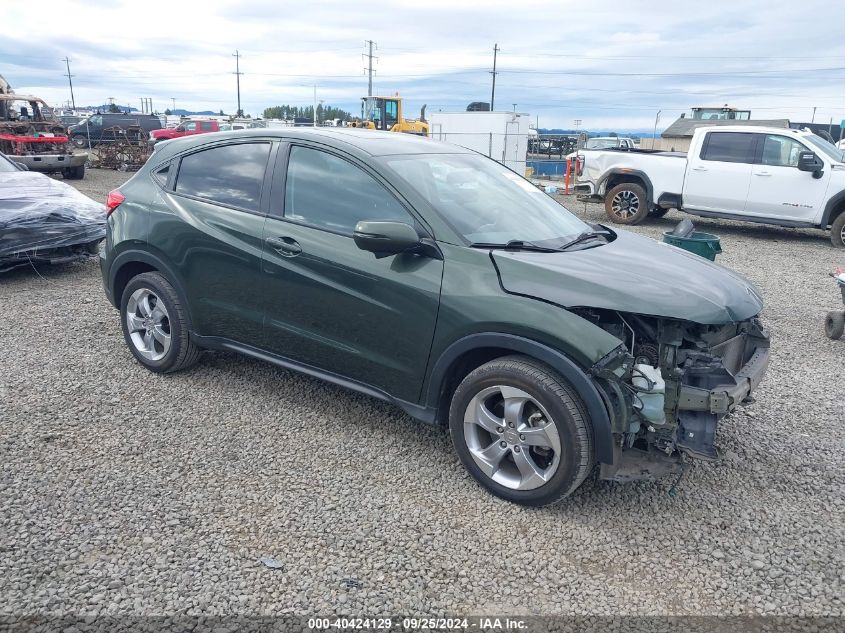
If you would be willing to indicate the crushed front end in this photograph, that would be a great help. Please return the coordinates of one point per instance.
(30, 134)
(669, 384)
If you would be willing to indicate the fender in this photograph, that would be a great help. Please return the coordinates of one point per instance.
(132, 255)
(827, 216)
(602, 434)
(649, 188)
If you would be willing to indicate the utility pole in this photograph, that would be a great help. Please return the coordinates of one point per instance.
(70, 81)
(813, 120)
(238, 74)
(315, 105)
(173, 99)
(496, 49)
(369, 67)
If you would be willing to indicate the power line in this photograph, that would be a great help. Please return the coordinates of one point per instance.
(70, 81)
(369, 68)
(494, 73)
(238, 74)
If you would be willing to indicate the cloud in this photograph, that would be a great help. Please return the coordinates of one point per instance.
(612, 64)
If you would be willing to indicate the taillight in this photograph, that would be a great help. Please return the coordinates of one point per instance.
(113, 201)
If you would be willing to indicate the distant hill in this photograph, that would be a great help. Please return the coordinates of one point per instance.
(178, 112)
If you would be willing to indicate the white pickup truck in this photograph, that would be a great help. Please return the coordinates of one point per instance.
(758, 174)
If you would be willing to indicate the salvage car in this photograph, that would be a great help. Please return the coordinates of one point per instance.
(434, 278)
(43, 220)
(31, 133)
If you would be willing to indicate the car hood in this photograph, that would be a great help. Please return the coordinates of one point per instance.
(632, 274)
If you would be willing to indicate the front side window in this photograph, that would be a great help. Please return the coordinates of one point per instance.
(729, 147)
(95, 120)
(228, 174)
(327, 192)
(781, 151)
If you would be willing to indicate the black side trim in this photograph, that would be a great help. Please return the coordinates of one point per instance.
(670, 201)
(649, 188)
(602, 433)
(827, 217)
(423, 414)
(747, 218)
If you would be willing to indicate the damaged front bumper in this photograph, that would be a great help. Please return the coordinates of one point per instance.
(708, 372)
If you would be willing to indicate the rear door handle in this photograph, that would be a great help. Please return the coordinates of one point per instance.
(699, 168)
(762, 173)
(285, 246)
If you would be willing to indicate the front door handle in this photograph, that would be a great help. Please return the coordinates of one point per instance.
(699, 168)
(762, 173)
(285, 246)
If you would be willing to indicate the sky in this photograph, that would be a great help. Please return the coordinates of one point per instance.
(611, 64)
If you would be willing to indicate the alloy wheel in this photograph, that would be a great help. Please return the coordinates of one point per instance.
(512, 438)
(149, 324)
(625, 204)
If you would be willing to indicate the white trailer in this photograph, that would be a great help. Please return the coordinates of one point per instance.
(503, 136)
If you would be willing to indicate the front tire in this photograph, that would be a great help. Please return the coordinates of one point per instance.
(837, 231)
(155, 324)
(79, 141)
(626, 203)
(522, 431)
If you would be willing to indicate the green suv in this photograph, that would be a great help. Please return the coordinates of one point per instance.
(434, 278)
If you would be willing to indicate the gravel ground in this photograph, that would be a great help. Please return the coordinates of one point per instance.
(128, 492)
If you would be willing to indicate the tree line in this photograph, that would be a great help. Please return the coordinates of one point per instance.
(324, 113)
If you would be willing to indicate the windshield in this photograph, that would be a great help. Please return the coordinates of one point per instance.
(826, 147)
(486, 202)
(601, 143)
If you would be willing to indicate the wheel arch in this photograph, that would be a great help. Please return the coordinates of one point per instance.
(622, 175)
(833, 209)
(472, 351)
(130, 263)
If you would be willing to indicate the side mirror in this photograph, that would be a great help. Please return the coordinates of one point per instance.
(808, 161)
(385, 238)
(180, 128)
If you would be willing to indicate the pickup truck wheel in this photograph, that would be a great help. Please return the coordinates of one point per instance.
(626, 203)
(74, 173)
(521, 431)
(834, 325)
(79, 141)
(837, 231)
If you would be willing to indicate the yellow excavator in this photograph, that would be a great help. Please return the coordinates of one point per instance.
(385, 113)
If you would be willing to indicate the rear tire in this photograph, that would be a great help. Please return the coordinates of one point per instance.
(522, 431)
(155, 324)
(837, 231)
(74, 173)
(626, 203)
(834, 325)
(79, 141)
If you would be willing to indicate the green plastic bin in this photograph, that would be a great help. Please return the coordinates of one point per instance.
(703, 244)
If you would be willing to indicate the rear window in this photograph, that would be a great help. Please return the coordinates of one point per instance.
(228, 174)
(729, 147)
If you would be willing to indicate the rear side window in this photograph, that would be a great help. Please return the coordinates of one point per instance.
(330, 193)
(205, 126)
(228, 174)
(729, 147)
